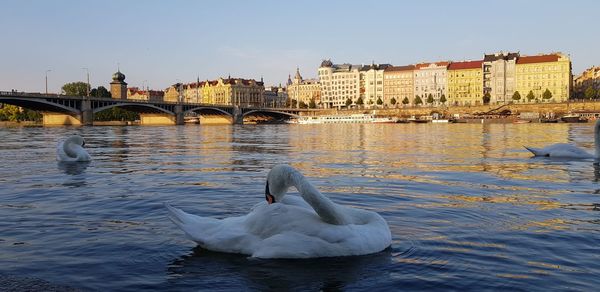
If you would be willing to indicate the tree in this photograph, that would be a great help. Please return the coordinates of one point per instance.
(14, 113)
(486, 98)
(443, 99)
(405, 101)
(530, 95)
(116, 114)
(348, 102)
(379, 101)
(516, 96)
(101, 91)
(312, 103)
(590, 93)
(9, 113)
(302, 104)
(430, 98)
(75, 89)
(360, 101)
(418, 100)
(393, 101)
(547, 94)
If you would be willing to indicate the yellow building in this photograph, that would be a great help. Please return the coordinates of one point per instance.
(172, 93)
(304, 90)
(231, 91)
(465, 83)
(550, 72)
(588, 78)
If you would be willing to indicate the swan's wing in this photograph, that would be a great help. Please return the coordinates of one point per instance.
(60, 152)
(82, 154)
(227, 235)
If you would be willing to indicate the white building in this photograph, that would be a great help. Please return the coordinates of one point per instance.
(339, 82)
(371, 83)
(499, 76)
(431, 78)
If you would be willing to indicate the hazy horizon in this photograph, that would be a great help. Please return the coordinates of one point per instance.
(158, 43)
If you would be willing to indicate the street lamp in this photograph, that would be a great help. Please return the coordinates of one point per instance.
(88, 80)
(47, 80)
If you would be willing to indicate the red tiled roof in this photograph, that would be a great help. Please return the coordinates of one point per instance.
(465, 65)
(537, 59)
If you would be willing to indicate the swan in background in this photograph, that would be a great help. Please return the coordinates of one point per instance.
(71, 150)
(563, 150)
(309, 226)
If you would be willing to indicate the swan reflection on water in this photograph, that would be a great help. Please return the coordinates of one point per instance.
(240, 272)
(73, 168)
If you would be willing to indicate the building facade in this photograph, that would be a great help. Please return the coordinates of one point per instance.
(398, 84)
(465, 83)
(233, 91)
(275, 96)
(371, 83)
(430, 80)
(589, 78)
(338, 83)
(150, 95)
(304, 91)
(499, 76)
(541, 73)
(172, 93)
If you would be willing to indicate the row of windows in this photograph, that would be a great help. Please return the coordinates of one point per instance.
(524, 68)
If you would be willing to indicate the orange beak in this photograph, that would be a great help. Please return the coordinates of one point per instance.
(270, 199)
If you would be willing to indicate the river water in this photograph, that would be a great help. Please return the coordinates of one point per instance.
(467, 206)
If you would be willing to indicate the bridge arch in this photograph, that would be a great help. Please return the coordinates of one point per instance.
(208, 108)
(134, 105)
(39, 105)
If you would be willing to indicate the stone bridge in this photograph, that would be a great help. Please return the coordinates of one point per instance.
(80, 110)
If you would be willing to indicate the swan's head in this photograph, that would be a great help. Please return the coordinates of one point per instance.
(278, 181)
(76, 139)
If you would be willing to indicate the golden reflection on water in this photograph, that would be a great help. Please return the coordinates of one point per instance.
(434, 147)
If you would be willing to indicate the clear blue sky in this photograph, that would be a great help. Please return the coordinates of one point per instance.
(161, 42)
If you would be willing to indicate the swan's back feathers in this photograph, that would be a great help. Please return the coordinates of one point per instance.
(561, 150)
(288, 229)
(68, 151)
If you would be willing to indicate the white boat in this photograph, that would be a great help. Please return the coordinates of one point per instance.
(347, 119)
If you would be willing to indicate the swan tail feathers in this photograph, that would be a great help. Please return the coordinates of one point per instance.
(195, 227)
(536, 151)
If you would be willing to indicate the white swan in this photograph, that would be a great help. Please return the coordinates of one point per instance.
(288, 226)
(71, 150)
(563, 150)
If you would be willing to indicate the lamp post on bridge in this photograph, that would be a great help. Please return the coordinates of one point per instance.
(49, 70)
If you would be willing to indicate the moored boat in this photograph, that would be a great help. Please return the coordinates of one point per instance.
(347, 119)
(573, 118)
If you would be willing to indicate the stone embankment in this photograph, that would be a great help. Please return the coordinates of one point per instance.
(556, 109)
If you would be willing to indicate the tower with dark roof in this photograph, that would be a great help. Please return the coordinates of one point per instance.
(118, 87)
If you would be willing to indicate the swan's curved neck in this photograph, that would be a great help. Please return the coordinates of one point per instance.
(325, 208)
(597, 138)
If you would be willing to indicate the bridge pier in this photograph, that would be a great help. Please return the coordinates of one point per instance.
(87, 113)
(238, 117)
(179, 115)
(59, 119)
